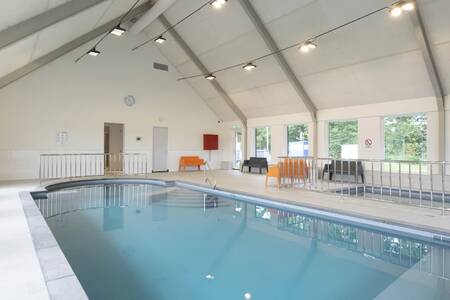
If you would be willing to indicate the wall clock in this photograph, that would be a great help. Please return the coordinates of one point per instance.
(129, 100)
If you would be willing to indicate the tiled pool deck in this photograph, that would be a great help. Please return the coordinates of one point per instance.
(28, 273)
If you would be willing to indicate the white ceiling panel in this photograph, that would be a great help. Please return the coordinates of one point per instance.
(435, 14)
(209, 28)
(269, 10)
(339, 12)
(170, 49)
(239, 50)
(221, 109)
(116, 8)
(281, 94)
(203, 88)
(16, 11)
(69, 29)
(394, 78)
(443, 62)
(279, 98)
(237, 80)
(377, 36)
(334, 88)
(272, 111)
(17, 55)
(248, 99)
(387, 79)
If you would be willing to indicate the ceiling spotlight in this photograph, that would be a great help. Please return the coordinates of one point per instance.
(307, 46)
(396, 11)
(249, 67)
(160, 39)
(118, 31)
(407, 6)
(210, 77)
(93, 52)
(218, 3)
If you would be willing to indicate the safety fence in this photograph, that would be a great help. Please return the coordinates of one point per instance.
(74, 165)
(419, 183)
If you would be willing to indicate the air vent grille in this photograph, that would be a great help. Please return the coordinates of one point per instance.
(161, 67)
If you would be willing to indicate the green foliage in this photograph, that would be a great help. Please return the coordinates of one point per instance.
(262, 136)
(341, 133)
(297, 132)
(405, 137)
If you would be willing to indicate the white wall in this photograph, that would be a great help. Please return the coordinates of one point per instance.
(80, 98)
(370, 125)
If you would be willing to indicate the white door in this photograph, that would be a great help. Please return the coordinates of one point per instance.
(160, 149)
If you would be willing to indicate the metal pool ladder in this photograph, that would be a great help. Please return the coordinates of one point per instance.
(210, 179)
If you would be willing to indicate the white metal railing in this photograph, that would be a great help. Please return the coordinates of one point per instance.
(73, 165)
(419, 183)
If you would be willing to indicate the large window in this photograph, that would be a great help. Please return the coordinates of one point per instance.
(237, 149)
(405, 137)
(343, 139)
(262, 142)
(297, 137)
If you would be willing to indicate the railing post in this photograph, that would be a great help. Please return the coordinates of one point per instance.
(443, 187)
(409, 182)
(431, 184)
(420, 184)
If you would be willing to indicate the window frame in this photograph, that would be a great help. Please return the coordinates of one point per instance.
(287, 136)
(269, 138)
(328, 133)
(383, 131)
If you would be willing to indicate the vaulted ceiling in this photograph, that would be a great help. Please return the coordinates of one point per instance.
(377, 59)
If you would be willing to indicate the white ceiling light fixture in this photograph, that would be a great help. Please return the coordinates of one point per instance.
(118, 31)
(249, 67)
(307, 46)
(397, 9)
(160, 40)
(93, 52)
(408, 6)
(210, 77)
(217, 4)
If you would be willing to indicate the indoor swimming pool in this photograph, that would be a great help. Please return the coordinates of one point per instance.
(142, 241)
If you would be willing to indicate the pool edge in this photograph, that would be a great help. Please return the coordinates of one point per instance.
(60, 280)
(429, 233)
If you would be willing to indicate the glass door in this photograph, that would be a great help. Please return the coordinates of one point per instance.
(237, 149)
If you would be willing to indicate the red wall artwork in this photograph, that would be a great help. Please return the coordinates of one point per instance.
(210, 142)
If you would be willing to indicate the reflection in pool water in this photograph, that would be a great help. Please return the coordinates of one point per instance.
(136, 241)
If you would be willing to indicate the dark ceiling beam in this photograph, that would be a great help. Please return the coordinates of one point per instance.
(287, 70)
(216, 85)
(427, 54)
(46, 19)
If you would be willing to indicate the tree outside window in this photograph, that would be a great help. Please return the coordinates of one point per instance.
(262, 142)
(405, 137)
(298, 144)
(343, 139)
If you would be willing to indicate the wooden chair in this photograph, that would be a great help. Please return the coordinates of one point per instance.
(292, 169)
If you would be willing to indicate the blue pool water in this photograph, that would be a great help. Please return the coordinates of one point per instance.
(137, 241)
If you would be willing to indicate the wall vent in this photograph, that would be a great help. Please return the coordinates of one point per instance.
(161, 67)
